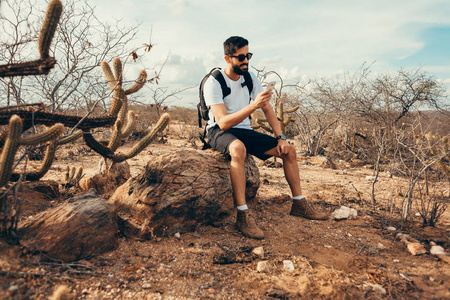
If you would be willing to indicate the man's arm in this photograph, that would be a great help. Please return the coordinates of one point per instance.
(283, 145)
(227, 121)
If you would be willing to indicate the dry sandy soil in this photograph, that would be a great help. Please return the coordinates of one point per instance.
(344, 259)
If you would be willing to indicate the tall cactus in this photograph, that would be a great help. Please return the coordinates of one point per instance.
(282, 117)
(51, 20)
(14, 140)
(126, 120)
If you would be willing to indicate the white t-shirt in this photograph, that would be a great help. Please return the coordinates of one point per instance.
(235, 101)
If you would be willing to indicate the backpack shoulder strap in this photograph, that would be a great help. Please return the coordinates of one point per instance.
(217, 74)
(248, 82)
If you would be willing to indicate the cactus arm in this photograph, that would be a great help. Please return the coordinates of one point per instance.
(43, 169)
(51, 133)
(160, 125)
(114, 142)
(118, 71)
(291, 110)
(116, 103)
(51, 20)
(70, 138)
(109, 75)
(131, 124)
(139, 83)
(92, 143)
(10, 149)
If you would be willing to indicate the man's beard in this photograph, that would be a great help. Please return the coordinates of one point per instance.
(238, 70)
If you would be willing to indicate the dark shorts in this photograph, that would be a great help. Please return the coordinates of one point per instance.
(255, 142)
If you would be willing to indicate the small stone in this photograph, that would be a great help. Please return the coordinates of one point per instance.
(328, 246)
(288, 265)
(391, 228)
(437, 250)
(13, 288)
(376, 288)
(344, 212)
(381, 246)
(259, 251)
(177, 235)
(146, 286)
(84, 291)
(416, 248)
(263, 267)
(396, 260)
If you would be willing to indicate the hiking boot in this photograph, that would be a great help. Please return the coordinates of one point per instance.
(302, 208)
(246, 224)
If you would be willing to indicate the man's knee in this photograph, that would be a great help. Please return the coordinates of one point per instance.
(237, 150)
(292, 153)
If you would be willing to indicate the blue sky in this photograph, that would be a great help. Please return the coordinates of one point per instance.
(299, 39)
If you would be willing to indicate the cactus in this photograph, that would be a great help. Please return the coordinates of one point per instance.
(262, 123)
(126, 120)
(51, 20)
(136, 149)
(14, 140)
(139, 83)
(72, 177)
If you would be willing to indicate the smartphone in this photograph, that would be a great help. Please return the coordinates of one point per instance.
(271, 85)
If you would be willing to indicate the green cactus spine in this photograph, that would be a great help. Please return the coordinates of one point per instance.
(51, 20)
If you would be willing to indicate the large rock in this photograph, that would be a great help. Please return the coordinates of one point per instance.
(178, 191)
(84, 226)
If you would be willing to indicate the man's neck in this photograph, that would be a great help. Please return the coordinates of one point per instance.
(230, 73)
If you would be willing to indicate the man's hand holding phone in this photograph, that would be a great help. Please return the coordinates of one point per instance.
(263, 98)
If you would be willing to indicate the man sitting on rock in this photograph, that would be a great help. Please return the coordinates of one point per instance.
(229, 132)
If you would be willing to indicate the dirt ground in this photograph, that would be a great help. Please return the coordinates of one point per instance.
(347, 259)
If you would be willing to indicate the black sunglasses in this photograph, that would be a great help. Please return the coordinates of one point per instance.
(241, 57)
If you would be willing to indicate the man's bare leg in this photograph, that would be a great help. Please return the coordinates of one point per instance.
(300, 207)
(244, 222)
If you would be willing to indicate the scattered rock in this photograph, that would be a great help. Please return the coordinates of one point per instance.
(391, 228)
(264, 267)
(344, 212)
(178, 191)
(413, 245)
(381, 246)
(376, 288)
(83, 226)
(437, 250)
(146, 286)
(177, 235)
(416, 248)
(288, 265)
(396, 260)
(259, 251)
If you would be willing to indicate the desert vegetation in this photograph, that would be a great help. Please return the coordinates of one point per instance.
(68, 106)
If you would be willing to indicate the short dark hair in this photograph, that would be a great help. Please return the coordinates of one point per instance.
(232, 44)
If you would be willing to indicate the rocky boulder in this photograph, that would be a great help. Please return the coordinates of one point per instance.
(178, 191)
(84, 226)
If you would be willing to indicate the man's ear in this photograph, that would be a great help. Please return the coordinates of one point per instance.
(227, 59)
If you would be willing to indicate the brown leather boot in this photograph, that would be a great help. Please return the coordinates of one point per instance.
(246, 224)
(302, 208)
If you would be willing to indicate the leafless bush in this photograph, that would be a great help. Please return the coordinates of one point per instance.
(433, 201)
